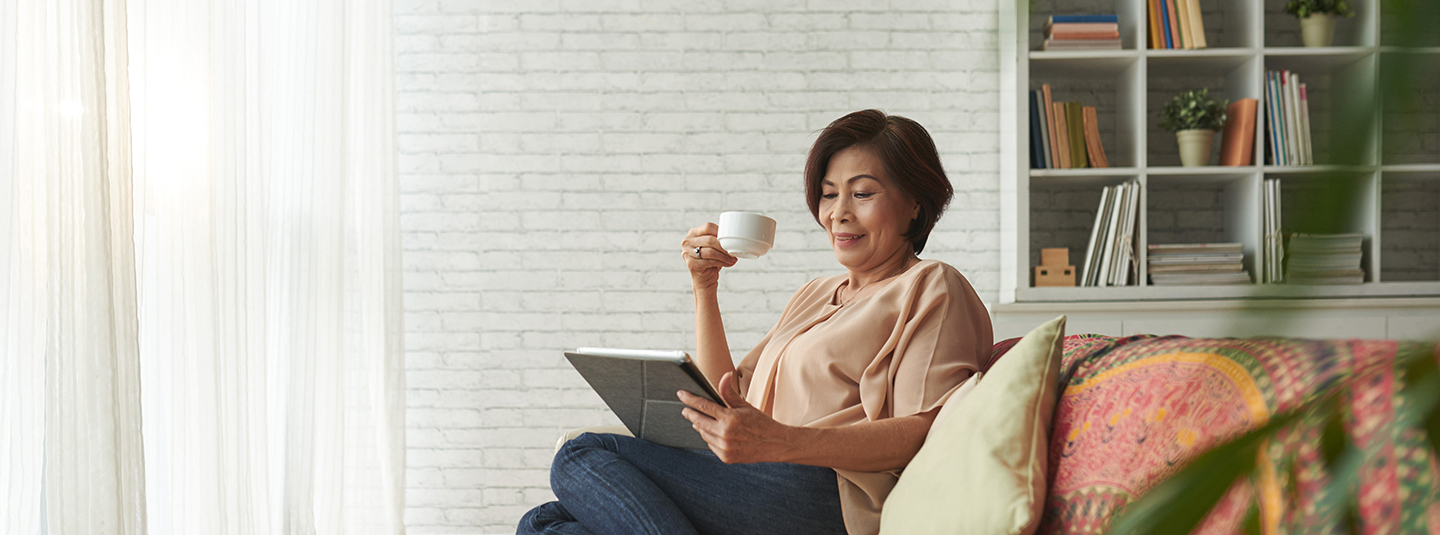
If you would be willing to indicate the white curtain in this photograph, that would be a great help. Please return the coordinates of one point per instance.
(199, 268)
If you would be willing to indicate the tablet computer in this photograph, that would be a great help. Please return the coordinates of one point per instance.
(639, 386)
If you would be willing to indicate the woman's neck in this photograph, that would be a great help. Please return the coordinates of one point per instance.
(896, 264)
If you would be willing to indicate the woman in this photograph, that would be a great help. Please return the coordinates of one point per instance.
(829, 407)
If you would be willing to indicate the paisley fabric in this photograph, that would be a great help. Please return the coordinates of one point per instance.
(1134, 410)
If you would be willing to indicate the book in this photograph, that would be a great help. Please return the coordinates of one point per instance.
(1276, 107)
(1187, 32)
(1199, 259)
(1111, 236)
(1036, 155)
(1176, 37)
(1195, 248)
(1170, 268)
(1197, 24)
(1093, 148)
(1290, 97)
(1062, 132)
(1082, 27)
(1082, 35)
(1054, 19)
(1199, 279)
(1305, 125)
(1049, 105)
(1157, 41)
(1165, 23)
(1080, 44)
(1076, 128)
(1092, 256)
(1237, 143)
(1125, 266)
(1045, 156)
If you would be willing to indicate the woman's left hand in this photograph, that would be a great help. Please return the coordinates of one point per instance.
(740, 433)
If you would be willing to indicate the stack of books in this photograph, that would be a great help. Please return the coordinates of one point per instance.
(1274, 239)
(1324, 259)
(1082, 32)
(1176, 24)
(1063, 135)
(1287, 120)
(1110, 258)
(1173, 264)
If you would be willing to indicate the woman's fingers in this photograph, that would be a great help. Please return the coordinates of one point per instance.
(704, 237)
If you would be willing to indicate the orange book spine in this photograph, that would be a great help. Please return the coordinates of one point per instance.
(1174, 24)
(1092, 139)
(1237, 144)
(1157, 41)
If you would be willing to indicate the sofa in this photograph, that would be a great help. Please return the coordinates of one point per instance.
(1129, 412)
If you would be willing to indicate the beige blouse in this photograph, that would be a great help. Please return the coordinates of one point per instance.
(899, 348)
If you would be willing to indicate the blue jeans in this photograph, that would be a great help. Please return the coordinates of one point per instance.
(611, 484)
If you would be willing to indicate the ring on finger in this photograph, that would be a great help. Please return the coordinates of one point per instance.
(697, 252)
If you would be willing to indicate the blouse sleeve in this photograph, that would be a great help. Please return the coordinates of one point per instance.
(939, 337)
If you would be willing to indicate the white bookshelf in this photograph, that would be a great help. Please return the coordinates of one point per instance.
(1055, 207)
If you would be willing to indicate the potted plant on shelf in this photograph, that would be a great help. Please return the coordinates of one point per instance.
(1317, 18)
(1194, 117)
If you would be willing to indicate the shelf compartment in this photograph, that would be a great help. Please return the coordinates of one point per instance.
(1410, 226)
(1062, 213)
(1333, 203)
(1107, 86)
(1130, 13)
(1339, 89)
(1283, 29)
(1229, 24)
(1228, 77)
(1410, 93)
(1419, 15)
(1205, 208)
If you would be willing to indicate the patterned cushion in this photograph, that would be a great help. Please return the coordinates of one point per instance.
(1135, 410)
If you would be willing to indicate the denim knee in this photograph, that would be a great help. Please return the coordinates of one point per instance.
(567, 459)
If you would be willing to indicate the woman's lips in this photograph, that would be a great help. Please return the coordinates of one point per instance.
(847, 240)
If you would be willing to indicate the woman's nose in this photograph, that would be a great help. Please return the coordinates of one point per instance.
(840, 211)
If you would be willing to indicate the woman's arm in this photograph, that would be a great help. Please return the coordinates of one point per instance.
(712, 351)
(744, 434)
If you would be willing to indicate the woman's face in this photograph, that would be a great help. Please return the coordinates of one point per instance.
(864, 213)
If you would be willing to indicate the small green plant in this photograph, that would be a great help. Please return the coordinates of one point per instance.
(1305, 8)
(1193, 110)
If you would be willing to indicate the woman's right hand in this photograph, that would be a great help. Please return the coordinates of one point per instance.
(705, 268)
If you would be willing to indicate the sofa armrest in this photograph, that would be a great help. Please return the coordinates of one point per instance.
(605, 429)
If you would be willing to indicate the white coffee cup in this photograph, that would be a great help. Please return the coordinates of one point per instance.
(746, 235)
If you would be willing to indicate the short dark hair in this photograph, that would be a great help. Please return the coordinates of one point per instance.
(906, 151)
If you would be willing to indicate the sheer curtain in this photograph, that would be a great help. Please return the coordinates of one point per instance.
(199, 268)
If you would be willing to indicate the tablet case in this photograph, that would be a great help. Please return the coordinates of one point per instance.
(641, 391)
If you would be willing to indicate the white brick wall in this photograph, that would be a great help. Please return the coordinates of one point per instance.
(553, 154)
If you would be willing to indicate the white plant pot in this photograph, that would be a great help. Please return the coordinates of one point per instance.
(1195, 146)
(1318, 29)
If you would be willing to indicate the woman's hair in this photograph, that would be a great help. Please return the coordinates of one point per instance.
(906, 151)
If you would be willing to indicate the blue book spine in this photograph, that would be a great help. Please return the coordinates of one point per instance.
(1165, 24)
(1035, 154)
(1062, 19)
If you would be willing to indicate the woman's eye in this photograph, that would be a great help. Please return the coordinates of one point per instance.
(863, 195)
(829, 196)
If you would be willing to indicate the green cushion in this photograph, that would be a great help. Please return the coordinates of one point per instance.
(982, 468)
